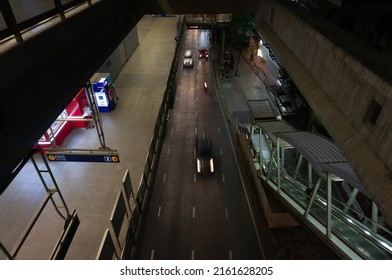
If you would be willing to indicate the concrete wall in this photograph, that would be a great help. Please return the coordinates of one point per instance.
(122, 53)
(339, 76)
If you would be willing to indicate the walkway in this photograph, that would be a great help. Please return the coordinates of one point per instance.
(91, 188)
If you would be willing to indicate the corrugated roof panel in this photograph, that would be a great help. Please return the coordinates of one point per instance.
(323, 155)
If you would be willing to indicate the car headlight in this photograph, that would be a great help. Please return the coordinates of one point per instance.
(211, 165)
(198, 166)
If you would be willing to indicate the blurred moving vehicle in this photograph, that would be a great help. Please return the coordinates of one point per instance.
(188, 60)
(204, 158)
(203, 53)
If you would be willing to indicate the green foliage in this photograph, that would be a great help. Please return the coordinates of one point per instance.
(242, 28)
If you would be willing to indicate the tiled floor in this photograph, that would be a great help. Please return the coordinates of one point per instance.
(91, 188)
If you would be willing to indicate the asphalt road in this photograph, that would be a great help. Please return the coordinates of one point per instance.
(198, 216)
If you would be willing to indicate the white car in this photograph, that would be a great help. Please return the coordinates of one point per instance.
(188, 60)
(188, 53)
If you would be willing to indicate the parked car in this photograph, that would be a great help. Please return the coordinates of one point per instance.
(204, 158)
(203, 53)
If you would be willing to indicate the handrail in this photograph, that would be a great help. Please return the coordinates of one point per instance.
(380, 243)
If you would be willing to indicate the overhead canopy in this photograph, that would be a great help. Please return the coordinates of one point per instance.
(323, 155)
(271, 127)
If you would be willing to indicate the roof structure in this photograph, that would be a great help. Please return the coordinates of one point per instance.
(323, 155)
(271, 127)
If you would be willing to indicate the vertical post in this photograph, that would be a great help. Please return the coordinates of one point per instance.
(309, 176)
(10, 20)
(238, 61)
(54, 182)
(298, 165)
(260, 151)
(222, 46)
(270, 163)
(329, 206)
(374, 217)
(59, 8)
(278, 153)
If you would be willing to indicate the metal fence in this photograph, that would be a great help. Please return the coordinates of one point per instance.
(134, 227)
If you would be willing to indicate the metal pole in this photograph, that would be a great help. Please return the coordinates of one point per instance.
(309, 175)
(59, 8)
(312, 198)
(374, 217)
(278, 152)
(10, 20)
(298, 165)
(350, 200)
(329, 206)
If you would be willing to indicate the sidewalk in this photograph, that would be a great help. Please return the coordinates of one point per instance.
(234, 92)
(92, 188)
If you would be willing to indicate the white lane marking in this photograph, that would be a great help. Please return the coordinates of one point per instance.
(159, 211)
(168, 151)
(195, 130)
(230, 255)
(193, 255)
(227, 213)
(152, 255)
(223, 178)
(197, 98)
(221, 151)
(194, 212)
(194, 178)
(196, 113)
(171, 131)
(218, 130)
(164, 177)
(242, 183)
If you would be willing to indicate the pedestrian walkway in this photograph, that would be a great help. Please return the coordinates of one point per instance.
(251, 82)
(91, 188)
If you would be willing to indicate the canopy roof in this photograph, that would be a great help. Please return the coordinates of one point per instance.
(323, 155)
(271, 127)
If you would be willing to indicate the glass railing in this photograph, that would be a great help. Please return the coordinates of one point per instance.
(345, 228)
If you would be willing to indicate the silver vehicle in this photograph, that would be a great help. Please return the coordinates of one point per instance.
(188, 60)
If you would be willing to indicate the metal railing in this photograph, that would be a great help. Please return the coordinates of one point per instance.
(134, 230)
(357, 236)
